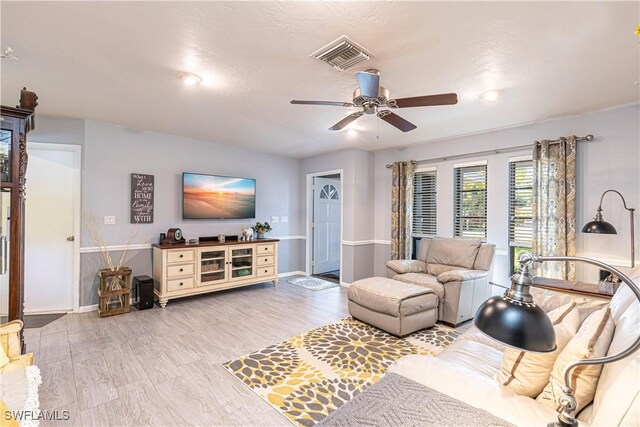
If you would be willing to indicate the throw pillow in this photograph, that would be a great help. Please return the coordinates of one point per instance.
(592, 340)
(527, 373)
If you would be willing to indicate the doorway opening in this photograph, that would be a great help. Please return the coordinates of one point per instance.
(324, 225)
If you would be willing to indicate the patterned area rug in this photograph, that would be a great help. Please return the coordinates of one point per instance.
(313, 283)
(309, 376)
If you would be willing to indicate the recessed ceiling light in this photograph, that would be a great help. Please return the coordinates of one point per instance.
(491, 95)
(351, 133)
(189, 79)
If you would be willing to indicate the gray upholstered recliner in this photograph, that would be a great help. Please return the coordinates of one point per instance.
(458, 271)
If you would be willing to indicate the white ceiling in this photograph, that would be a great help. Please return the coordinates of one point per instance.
(116, 62)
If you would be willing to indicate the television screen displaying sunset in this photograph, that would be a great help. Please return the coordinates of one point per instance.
(217, 197)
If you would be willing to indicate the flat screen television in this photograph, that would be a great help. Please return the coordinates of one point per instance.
(217, 197)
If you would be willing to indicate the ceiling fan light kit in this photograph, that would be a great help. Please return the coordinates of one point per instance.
(371, 97)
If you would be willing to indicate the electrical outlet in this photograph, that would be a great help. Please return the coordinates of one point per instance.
(275, 219)
(284, 219)
(109, 220)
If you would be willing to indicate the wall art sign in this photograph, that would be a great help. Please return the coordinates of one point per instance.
(142, 187)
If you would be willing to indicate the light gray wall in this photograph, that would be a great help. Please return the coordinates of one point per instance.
(611, 161)
(111, 153)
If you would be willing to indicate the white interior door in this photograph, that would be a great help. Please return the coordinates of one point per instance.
(50, 223)
(326, 225)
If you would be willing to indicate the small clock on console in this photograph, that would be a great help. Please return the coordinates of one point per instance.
(174, 236)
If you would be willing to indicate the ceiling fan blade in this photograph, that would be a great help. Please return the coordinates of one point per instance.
(332, 103)
(425, 101)
(369, 83)
(397, 121)
(344, 122)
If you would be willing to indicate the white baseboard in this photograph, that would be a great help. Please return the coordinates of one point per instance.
(292, 273)
(345, 284)
(87, 308)
(36, 312)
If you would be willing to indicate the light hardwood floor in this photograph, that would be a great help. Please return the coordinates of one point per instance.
(162, 366)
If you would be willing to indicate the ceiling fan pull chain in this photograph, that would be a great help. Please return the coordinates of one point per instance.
(377, 127)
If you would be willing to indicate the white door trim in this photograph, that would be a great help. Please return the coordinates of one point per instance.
(309, 216)
(77, 207)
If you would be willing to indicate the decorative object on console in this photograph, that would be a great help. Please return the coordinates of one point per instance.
(174, 236)
(261, 228)
(515, 320)
(247, 233)
(608, 284)
(221, 238)
(600, 226)
(142, 187)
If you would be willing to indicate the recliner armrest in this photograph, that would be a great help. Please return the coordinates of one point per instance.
(402, 266)
(461, 275)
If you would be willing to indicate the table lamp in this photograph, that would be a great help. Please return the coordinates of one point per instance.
(516, 321)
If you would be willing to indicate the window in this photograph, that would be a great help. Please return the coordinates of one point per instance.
(424, 204)
(520, 209)
(329, 192)
(470, 201)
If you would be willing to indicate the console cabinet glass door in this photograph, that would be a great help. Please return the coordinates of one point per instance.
(242, 258)
(213, 266)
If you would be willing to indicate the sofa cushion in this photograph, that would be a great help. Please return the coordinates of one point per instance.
(391, 297)
(473, 388)
(445, 254)
(485, 257)
(617, 397)
(591, 341)
(549, 300)
(474, 334)
(527, 373)
(423, 280)
(474, 356)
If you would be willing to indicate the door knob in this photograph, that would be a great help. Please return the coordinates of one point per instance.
(71, 238)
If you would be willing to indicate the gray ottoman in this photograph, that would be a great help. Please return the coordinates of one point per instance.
(396, 307)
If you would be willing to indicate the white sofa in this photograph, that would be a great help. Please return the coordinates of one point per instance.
(466, 370)
(457, 270)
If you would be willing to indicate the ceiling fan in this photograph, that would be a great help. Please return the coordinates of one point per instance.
(371, 97)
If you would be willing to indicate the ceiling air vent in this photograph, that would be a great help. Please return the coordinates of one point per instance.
(342, 53)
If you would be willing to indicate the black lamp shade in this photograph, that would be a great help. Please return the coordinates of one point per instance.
(515, 324)
(600, 227)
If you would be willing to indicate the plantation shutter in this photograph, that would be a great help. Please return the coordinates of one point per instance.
(424, 204)
(520, 203)
(470, 202)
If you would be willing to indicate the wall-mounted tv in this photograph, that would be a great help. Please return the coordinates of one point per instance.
(217, 197)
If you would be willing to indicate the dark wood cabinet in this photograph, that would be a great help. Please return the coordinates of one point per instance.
(15, 124)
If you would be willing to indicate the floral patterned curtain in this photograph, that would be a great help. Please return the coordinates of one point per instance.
(554, 205)
(401, 209)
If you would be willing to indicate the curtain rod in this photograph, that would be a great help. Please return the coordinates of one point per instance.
(496, 151)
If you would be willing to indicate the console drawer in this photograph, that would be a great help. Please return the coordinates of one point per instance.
(266, 248)
(179, 284)
(265, 271)
(180, 256)
(265, 259)
(180, 270)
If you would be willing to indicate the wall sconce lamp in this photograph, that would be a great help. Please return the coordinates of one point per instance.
(600, 226)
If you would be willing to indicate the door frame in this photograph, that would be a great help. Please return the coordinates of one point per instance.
(309, 217)
(77, 206)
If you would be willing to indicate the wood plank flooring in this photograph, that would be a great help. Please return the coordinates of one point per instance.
(162, 366)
